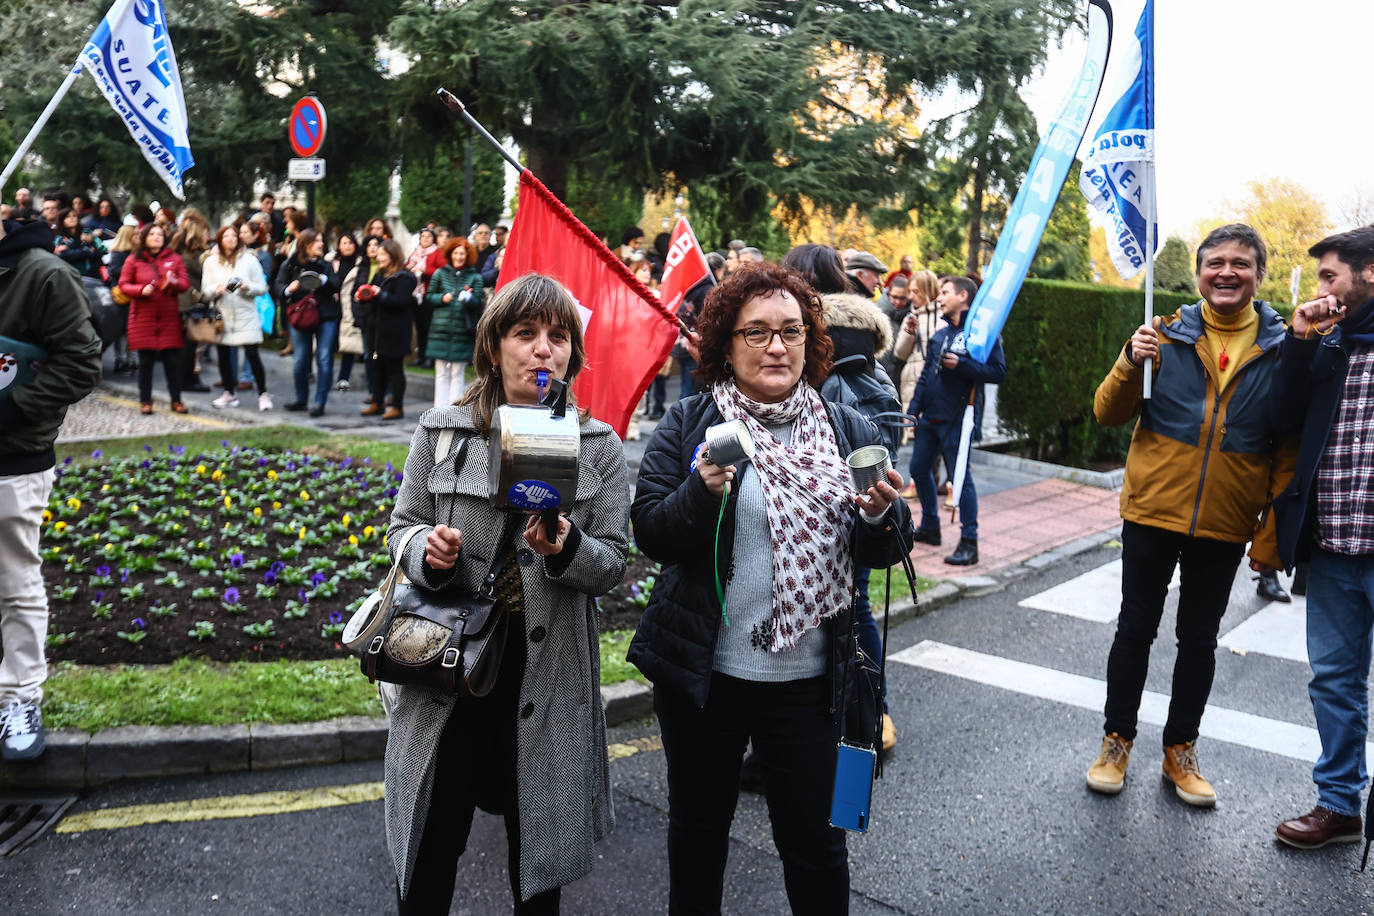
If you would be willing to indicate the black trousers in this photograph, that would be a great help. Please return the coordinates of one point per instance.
(794, 737)
(1206, 570)
(171, 367)
(228, 366)
(475, 767)
(389, 374)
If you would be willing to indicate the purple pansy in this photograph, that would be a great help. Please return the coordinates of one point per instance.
(102, 570)
(97, 453)
(317, 579)
(336, 617)
(236, 559)
(269, 578)
(231, 595)
(140, 623)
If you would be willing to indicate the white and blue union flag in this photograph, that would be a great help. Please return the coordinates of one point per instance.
(1117, 175)
(130, 58)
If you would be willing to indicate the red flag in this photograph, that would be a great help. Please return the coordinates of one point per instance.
(628, 332)
(685, 266)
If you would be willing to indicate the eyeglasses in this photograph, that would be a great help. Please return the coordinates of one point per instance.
(794, 335)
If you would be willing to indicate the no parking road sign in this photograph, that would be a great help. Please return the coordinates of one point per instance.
(305, 128)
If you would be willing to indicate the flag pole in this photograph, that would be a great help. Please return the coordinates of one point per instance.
(42, 122)
(1149, 265)
(457, 107)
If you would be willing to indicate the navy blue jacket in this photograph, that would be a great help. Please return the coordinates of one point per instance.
(674, 518)
(1312, 381)
(942, 394)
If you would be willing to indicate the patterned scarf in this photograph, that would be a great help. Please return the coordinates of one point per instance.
(809, 497)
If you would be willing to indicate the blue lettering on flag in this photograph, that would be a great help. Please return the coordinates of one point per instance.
(121, 55)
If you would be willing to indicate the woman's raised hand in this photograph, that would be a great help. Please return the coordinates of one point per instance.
(442, 546)
(538, 538)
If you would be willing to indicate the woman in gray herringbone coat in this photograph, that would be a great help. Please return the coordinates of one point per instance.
(533, 749)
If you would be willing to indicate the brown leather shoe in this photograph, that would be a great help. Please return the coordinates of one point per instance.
(1319, 827)
(145, 408)
(371, 410)
(178, 407)
(393, 413)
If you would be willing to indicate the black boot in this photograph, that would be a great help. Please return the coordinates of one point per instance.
(1269, 588)
(966, 554)
(927, 536)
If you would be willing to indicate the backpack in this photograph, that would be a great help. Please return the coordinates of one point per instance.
(871, 393)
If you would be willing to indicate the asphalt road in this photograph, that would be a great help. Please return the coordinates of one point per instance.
(982, 807)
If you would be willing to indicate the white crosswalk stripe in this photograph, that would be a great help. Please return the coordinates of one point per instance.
(1232, 726)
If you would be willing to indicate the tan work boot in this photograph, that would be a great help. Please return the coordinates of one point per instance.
(1108, 772)
(1180, 768)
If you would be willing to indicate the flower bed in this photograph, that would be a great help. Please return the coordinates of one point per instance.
(234, 553)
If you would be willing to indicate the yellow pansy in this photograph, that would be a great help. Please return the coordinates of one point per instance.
(353, 540)
(304, 495)
(134, 507)
(228, 502)
(47, 516)
(271, 475)
(217, 476)
(257, 512)
(73, 503)
(301, 536)
(104, 488)
(60, 527)
(346, 520)
(200, 469)
(276, 504)
(369, 531)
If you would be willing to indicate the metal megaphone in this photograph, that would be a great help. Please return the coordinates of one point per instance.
(532, 464)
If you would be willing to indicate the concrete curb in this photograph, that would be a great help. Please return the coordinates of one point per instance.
(80, 760)
(1107, 480)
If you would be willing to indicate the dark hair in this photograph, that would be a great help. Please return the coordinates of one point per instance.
(141, 242)
(142, 213)
(1235, 232)
(423, 230)
(1354, 248)
(350, 237)
(303, 243)
(898, 280)
(630, 234)
(532, 297)
(964, 285)
(469, 249)
(716, 324)
(268, 196)
(820, 266)
(114, 210)
(394, 254)
(62, 218)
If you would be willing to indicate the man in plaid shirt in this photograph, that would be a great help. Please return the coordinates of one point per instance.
(1327, 514)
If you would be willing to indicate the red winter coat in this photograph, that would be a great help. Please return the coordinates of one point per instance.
(154, 321)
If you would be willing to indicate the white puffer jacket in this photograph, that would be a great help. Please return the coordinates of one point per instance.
(241, 324)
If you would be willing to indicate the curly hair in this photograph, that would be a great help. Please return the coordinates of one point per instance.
(716, 325)
(470, 252)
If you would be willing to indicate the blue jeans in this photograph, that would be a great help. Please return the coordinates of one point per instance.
(323, 338)
(932, 440)
(1340, 618)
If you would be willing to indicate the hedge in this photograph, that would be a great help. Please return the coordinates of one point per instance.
(1060, 340)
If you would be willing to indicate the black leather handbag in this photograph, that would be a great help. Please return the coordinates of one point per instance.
(450, 640)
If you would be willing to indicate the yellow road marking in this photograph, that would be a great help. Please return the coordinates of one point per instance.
(225, 806)
(634, 746)
(188, 417)
(263, 803)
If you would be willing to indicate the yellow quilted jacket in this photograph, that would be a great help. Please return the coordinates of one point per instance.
(1203, 462)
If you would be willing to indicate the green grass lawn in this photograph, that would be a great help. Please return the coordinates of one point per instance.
(197, 692)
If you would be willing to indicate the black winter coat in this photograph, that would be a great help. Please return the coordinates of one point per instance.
(326, 297)
(674, 518)
(392, 314)
(1312, 376)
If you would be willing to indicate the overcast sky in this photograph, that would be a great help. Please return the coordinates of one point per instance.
(1246, 90)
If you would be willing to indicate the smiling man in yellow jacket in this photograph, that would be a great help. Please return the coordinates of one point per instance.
(1205, 463)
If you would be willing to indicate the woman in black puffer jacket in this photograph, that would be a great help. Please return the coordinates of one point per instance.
(390, 297)
(747, 635)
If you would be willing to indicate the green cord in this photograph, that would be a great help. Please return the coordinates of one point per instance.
(715, 557)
